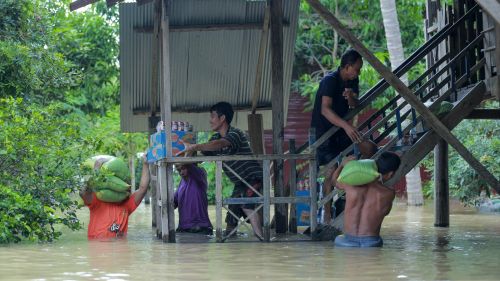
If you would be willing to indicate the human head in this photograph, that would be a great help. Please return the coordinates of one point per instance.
(351, 63)
(183, 170)
(387, 164)
(220, 113)
(367, 149)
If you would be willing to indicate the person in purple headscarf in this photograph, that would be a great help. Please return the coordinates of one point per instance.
(191, 200)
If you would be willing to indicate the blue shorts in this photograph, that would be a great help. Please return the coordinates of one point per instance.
(347, 240)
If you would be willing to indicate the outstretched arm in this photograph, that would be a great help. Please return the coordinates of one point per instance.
(208, 146)
(144, 184)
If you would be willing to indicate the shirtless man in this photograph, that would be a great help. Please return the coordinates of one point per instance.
(367, 205)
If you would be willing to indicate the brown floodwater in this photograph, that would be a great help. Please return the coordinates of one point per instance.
(414, 250)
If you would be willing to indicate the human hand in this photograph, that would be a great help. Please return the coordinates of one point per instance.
(188, 149)
(353, 134)
(350, 96)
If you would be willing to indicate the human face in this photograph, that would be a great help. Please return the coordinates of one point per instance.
(216, 122)
(182, 170)
(352, 71)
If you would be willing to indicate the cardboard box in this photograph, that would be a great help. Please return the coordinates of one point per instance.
(303, 211)
(157, 144)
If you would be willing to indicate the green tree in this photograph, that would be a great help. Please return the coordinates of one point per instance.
(40, 152)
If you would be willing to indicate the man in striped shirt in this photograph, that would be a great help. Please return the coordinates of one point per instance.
(228, 140)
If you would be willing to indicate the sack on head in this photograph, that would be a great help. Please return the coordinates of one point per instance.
(359, 172)
(109, 164)
(111, 196)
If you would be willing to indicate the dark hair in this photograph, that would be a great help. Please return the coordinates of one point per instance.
(350, 57)
(223, 108)
(388, 162)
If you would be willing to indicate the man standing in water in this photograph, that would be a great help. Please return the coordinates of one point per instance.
(110, 220)
(337, 93)
(367, 205)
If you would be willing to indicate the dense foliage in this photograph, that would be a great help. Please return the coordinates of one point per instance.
(482, 138)
(58, 105)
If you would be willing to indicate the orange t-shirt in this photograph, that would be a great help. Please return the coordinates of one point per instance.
(109, 220)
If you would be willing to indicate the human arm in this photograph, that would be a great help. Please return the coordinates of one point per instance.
(337, 171)
(86, 194)
(332, 117)
(144, 183)
(213, 145)
(198, 175)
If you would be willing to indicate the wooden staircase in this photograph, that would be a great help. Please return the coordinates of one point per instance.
(455, 76)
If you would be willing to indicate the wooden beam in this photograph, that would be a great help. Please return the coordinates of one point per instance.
(407, 94)
(207, 27)
(80, 4)
(267, 201)
(260, 61)
(441, 188)
(143, 2)
(280, 213)
(110, 3)
(155, 62)
(218, 201)
(497, 58)
(492, 7)
(292, 185)
(484, 114)
(166, 107)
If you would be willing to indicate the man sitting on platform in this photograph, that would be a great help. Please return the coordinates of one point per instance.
(367, 205)
(228, 140)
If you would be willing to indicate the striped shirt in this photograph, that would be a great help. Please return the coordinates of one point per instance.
(249, 170)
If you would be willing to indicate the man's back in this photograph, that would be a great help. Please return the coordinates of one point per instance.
(366, 207)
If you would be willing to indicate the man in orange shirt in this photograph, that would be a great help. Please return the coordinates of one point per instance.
(110, 220)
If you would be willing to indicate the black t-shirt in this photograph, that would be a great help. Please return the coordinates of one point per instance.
(332, 86)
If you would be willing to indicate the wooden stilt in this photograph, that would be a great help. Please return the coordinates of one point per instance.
(167, 190)
(292, 225)
(218, 201)
(441, 191)
(267, 201)
(278, 108)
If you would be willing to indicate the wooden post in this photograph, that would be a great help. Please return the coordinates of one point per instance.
(313, 215)
(407, 94)
(167, 192)
(267, 201)
(163, 200)
(441, 190)
(497, 58)
(255, 123)
(218, 201)
(277, 108)
(256, 133)
(154, 58)
(292, 225)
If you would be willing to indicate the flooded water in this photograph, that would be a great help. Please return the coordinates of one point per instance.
(414, 250)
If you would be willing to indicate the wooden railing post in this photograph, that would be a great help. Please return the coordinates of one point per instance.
(292, 183)
(267, 200)
(218, 201)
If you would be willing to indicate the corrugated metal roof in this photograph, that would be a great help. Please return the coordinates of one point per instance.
(206, 66)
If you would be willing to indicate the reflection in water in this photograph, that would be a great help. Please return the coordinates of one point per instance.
(413, 250)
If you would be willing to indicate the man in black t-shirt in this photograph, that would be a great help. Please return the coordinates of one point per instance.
(337, 93)
(228, 140)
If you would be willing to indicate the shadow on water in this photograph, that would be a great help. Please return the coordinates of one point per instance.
(413, 250)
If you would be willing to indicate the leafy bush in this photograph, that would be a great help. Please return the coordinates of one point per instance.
(40, 152)
(482, 138)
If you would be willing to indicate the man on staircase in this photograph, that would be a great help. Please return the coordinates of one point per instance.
(337, 93)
